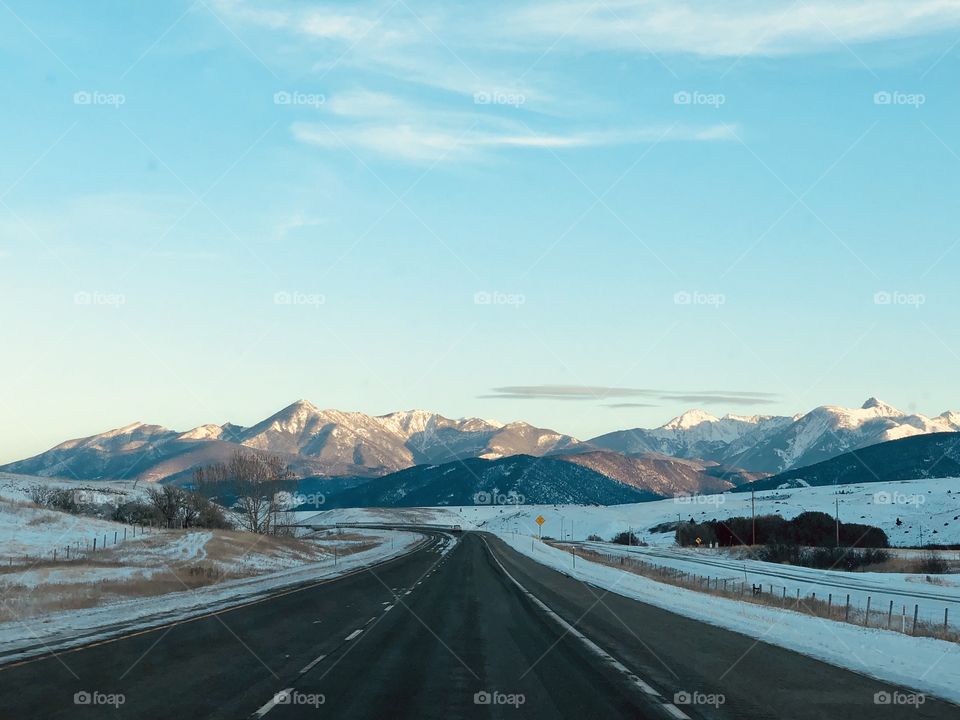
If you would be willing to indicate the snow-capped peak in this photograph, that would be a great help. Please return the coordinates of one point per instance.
(950, 416)
(125, 430)
(881, 408)
(301, 406)
(295, 417)
(209, 431)
(690, 419)
(407, 422)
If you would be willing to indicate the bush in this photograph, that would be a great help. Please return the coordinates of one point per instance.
(932, 563)
(175, 507)
(207, 514)
(135, 513)
(688, 533)
(40, 494)
(824, 558)
(54, 498)
(627, 538)
(594, 538)
(780, 553)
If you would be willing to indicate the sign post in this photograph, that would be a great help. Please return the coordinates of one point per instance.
(540, 521)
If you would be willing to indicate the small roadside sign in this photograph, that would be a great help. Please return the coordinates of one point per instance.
(541, 519)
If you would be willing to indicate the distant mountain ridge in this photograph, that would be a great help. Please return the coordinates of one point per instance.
(663, 475)
(935, 455)
(313, 441)
(505, 482)
(774, 444)
(334, 443)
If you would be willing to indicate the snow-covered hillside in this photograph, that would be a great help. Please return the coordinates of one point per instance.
(52, 559)
(931, 506)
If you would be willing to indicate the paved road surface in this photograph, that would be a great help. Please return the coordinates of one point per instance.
(421, 636)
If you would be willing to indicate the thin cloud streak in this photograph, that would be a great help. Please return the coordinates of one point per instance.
(424, 142)
(729, 28)
(598, 392)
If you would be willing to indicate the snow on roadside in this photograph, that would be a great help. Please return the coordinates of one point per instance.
(56, 631)
(924, 664)
(882, 588)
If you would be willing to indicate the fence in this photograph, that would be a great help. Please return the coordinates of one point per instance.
(82, 549)
(898, 617)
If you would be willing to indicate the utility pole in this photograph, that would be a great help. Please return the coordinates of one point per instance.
(753, 515)
(837, 499)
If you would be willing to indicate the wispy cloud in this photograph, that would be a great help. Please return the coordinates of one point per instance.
(730, 28)
(600, 392)
(363, 120)
(566, 392)
(378, 32)
(429, 143)
(444, 55)
(621, 406)
(745, 399)
(291, 224)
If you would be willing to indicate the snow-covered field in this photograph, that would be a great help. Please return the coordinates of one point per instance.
(54, 563)
(933, 505)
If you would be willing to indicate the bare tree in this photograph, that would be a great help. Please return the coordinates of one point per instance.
(253, 479)
(168, 502)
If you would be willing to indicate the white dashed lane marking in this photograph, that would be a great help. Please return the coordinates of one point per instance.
(312, 665)
(278, 698)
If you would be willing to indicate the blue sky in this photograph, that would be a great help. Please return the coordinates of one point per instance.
(210, 209)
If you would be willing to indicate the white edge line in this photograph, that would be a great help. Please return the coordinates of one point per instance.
(591, 645)
(675, 711)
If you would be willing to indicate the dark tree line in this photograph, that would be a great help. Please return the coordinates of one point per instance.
(809, 529)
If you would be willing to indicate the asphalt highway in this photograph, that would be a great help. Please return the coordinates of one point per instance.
(466, 629)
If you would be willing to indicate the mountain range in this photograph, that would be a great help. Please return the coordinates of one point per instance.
(695, 452)
(313, 441)
(774, 444)
(508, 481)
(921, 456)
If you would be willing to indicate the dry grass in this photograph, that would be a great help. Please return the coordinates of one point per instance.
(229, 555)
(909, 565)
(20, 601)
(808, 605)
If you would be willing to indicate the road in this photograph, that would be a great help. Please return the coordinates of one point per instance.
(422, 635)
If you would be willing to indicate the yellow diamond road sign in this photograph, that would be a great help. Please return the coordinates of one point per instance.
(541, 519)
